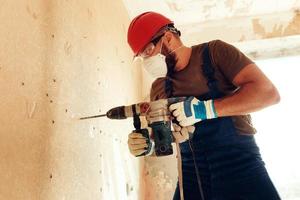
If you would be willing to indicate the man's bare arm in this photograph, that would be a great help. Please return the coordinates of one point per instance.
(255, 92)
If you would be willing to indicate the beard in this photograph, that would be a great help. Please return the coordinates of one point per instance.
(171, 62)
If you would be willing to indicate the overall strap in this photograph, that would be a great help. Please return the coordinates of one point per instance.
(209, 73)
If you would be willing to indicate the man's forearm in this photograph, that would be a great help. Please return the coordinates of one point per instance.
(249, 98)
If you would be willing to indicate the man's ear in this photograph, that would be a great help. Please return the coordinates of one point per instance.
(168, 36)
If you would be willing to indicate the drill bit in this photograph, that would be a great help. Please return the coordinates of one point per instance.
(95, 116)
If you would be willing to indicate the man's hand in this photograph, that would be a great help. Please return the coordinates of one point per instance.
(182, 134)
(137, 144)
(192, 111)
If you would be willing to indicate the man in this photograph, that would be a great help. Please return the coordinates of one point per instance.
(221, 161)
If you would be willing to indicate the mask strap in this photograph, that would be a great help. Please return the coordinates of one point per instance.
(176, 49)
(161, 45)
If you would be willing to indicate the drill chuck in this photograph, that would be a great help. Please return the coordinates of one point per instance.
(117, 113)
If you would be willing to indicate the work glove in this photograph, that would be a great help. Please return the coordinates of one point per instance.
(138, 144)
(182, 134)
(192, 110)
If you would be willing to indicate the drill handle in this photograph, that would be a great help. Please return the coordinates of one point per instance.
(136, 122)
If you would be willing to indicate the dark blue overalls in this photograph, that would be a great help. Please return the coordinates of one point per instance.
(229, 164)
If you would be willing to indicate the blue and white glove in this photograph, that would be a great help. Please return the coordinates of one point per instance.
(192, 110)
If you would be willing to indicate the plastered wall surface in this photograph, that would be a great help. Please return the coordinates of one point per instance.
(60, 60)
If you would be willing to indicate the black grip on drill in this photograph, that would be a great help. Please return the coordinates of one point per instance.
(162, 138)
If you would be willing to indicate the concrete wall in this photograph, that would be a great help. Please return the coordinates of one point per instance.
(60, 60)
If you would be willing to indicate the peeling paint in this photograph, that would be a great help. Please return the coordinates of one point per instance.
(257, 27)
(279, 28)
(174, 6)
(293, 27)
(229, 4)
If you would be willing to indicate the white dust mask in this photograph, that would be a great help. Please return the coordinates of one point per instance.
(156, 66)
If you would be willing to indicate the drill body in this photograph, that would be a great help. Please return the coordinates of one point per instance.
(158, 117)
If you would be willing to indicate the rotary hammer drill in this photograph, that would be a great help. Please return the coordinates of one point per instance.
(158, 118)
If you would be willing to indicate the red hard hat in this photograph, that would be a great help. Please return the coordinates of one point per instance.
(143, 27)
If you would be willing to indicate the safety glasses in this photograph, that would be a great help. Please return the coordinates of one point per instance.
(149, 49)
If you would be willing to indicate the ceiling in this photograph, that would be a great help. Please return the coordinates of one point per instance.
(235, 21)
(191, 11)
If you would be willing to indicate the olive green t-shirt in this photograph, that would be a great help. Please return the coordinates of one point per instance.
(227, 61)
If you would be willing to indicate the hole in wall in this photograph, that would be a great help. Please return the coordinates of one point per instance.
(23, 83)
(128, 189)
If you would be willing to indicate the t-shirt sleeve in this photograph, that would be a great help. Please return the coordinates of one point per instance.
(154, 90)
(157, 89)
(228, 58)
